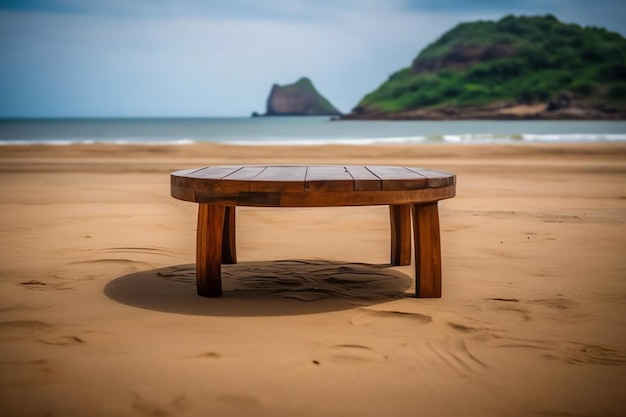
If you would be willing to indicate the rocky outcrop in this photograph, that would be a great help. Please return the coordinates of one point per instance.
(298, 99)
(460, 57)
(559, 102)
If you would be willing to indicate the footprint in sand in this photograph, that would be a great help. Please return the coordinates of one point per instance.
(210, 355)
(44, 332)
(21, 329)
(91, 269)
(371, 317)
(26, 372)
(573, 353)
(62, 340)
(242, 404)
(349, 353)
(221, 404)
(463, 328)
(43, 286)
(156, 408)
(555, 303)
(33, 283)
(150, 250)
(580, 353)
(119, 261)
(508, 300)
(511, 305)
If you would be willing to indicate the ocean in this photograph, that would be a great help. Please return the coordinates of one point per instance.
(299, 131)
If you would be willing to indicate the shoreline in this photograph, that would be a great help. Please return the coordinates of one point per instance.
(129, 151)
(493, 112)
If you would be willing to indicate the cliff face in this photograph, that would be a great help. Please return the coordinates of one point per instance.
(461, 57)
(298, 99)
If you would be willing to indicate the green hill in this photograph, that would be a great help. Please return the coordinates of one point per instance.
(516, 60)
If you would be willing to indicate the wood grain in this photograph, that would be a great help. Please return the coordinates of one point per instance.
(209, 250)
(400, 216)
(214, 172)
(435, 178)
(398, 178)
(427, 250)
(229, 245)
(364, 179)
(328, 178)
(322, 199)
(245, 174)
(279, 179)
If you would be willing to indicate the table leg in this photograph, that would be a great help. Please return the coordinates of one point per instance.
(427, 250)
(400, 216)
(229, 247)
(209, 250)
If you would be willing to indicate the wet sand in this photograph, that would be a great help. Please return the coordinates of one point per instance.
(98, 312)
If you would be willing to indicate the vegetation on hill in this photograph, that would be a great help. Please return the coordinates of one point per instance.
(514, 60)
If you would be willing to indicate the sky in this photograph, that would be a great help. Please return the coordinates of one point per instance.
(205, 58)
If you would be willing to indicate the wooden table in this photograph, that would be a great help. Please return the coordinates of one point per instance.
(219, 189)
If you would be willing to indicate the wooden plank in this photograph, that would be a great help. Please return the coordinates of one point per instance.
(182, 193)
(245, 173)
(279, 179)
(427, 250)
(328, 178)
(398, 178)
(308, 199)
(185, 172)
(435, 178)
(240, 180)
(209, 180)
(364, 180)
(214, 172)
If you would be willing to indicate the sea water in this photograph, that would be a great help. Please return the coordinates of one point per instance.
(300, 131)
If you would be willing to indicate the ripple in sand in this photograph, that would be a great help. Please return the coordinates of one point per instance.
(573, 353)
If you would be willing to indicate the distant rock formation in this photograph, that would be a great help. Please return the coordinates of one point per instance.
(298, 99)
(558, 102)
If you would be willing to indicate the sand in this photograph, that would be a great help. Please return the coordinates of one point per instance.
(99, 317)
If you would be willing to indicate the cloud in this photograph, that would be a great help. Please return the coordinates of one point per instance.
(274, 9)
(604, 13)
(198, 66)
(198, 58)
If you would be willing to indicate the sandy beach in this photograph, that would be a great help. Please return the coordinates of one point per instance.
(99, 315)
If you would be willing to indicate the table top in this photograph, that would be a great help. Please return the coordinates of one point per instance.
(311, 185)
